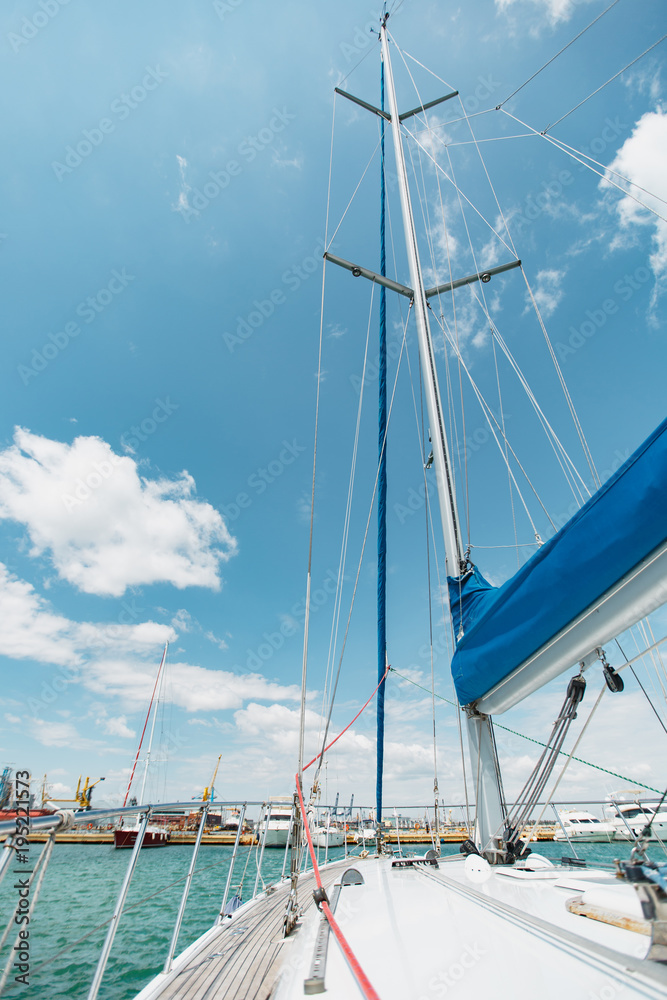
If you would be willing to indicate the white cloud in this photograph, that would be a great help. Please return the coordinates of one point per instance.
(104, 526)
(57, 790)
(118, 727)
(32, 630)
(193, 688)
(555, 10)
(643, 160)
(280, 158)
(60, 734)
(182, 204)
(183, 621)
(220, 643)
(547, 292)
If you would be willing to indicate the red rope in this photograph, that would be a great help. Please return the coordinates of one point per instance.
(322, 752)
(129, 785)
(363, 981)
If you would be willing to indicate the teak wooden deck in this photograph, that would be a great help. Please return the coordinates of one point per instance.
(241, 960)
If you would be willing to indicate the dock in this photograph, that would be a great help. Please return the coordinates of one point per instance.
(454, 835)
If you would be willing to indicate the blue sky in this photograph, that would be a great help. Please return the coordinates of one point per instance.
(165, 178)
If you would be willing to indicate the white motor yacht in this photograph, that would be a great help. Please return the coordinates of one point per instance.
(583, 826)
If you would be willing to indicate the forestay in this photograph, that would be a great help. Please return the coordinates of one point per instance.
(617, 535)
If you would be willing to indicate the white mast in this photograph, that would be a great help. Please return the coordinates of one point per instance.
(491, 811)
(442, 465)
(150, 741)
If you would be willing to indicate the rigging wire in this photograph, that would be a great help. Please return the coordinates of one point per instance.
(559, 373)
(424, 207)
(571, 757)
(333, 639)
(356, 65)
(555, 443)
(551, 435)
(428, 582)
(304, 666)
(611, 78)
(607, 170)
(514, 732)
(584, 444)
(354, 194)
(445, 616)
(645, 692)
(485, 409)
(656, 657)
(560, 52)
(572, 475)
(604, 174)
(361, 556)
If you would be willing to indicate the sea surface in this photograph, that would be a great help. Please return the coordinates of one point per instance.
(69, 922)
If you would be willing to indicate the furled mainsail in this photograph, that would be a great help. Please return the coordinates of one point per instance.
(605, 569)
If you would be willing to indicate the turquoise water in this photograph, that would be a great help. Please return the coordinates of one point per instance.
(81, 886)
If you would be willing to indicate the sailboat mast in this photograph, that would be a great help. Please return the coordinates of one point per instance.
(382, 485)
(441, 462)
(150, 741)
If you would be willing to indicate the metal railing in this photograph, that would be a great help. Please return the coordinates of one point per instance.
(64, 820)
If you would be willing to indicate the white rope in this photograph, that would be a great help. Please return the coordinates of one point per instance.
(304, 663)
(361, 557)
(562, 456)
(485, 410)
(566, 392)
(333, 639)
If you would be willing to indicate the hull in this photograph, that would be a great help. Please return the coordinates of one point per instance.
(584, 837)
(8, 814)
(276, 838)
(152, 838)
(658, 832)
(328, 838)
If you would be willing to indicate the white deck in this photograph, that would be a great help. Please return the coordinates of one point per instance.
(425, 933)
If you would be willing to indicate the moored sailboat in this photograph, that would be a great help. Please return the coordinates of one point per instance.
(497, 917)
(154, 835)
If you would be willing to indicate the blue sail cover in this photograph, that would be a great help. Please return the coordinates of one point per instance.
(619, 527)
